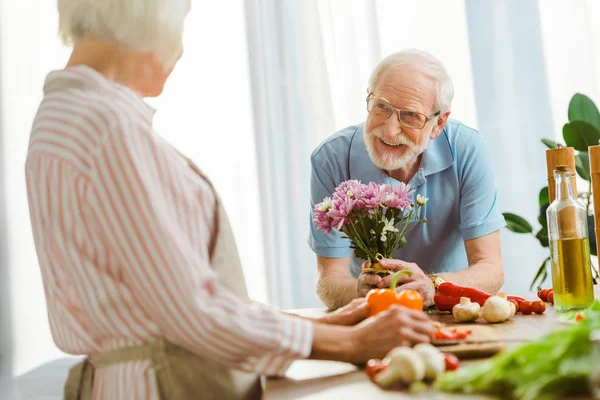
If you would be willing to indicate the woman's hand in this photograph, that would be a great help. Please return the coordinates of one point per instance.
(351, 314)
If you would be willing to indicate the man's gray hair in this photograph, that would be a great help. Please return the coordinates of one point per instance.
(137, 25)
(425, 63)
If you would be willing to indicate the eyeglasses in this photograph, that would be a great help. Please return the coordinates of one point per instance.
(407, 118)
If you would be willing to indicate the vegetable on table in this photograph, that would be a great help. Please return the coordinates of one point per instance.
(404, 366)
(526, 307)
(433, 360)
(543, 293)
(538, 307)
(531, 307)
(374, 366)
(451, 361)
(466, 310)
(381, 299)
(555, 366)
(449, 294)
(497, 309)
(516, 304)
(513, 308)
(441, 334)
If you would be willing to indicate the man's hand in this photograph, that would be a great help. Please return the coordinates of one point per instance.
(417, 281)
(367, 282)
(351, 314)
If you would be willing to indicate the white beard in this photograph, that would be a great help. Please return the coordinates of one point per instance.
(389, 161)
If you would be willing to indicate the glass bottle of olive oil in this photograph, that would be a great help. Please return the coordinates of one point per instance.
(569, 246)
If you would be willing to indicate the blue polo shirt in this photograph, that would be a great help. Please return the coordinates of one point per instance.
(455, 174)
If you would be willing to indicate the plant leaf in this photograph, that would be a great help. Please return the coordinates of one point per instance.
(592, 234)
(542, 236)
(580, 135)
(543, 197)
(541, 273)
(582, 108)
(517, 224)
(551, 144)
(582, 165)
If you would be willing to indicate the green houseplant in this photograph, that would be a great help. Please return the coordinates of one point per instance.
(582, 130)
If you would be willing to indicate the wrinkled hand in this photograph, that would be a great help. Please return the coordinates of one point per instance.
(351, 314)
(418, 281)
(367, 282)
(397, 326)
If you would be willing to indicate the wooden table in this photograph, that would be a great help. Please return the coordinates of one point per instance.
(310, 379)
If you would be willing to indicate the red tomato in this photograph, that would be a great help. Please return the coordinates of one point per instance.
(443, 334)
(451, 334)
(551, 296)
(374, 366)
(516, 303)
(451, 362)
(543, 294)
(526, 307)
(538, 307)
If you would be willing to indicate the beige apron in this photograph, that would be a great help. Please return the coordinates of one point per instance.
(180, 375)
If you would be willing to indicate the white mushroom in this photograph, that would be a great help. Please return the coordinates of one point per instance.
(433, 360)
(466, 310)
(504, 295)
(496, 309)
(404, 366)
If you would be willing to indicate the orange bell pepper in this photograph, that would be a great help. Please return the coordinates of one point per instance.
(381, 299)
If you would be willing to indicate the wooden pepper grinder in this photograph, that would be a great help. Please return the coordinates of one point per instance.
(594, 153)
(561, 156)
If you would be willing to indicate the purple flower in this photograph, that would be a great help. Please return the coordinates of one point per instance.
(397, 196)
(369, 196)
(342, 207)
(321, 219)
(347, 189)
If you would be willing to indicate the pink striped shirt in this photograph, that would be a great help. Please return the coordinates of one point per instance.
(122, 228)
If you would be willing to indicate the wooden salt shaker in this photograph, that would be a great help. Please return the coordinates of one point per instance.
(594, 153)
(561, 156)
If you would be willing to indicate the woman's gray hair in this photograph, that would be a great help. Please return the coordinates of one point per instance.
(425, 63)
(138, 25)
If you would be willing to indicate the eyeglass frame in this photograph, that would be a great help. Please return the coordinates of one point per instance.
(397, 110)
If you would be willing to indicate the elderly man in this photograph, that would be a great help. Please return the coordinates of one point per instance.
(408, 137)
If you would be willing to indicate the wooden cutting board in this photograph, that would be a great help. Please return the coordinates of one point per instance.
(465, 351)
(483, 342)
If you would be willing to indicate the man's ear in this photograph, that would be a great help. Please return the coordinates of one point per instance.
(439, 126)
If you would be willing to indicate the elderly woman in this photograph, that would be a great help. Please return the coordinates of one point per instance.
(140, 268)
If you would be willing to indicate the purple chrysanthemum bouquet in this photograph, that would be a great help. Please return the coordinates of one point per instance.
(376, 218)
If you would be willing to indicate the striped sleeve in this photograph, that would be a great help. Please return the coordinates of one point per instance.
(152, 218)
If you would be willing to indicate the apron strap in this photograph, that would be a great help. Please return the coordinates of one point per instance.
(80, 383)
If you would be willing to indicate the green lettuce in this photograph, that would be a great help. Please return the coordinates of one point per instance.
(556, 365)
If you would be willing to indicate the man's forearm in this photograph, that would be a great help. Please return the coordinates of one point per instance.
(336, 291)
(482, 275)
